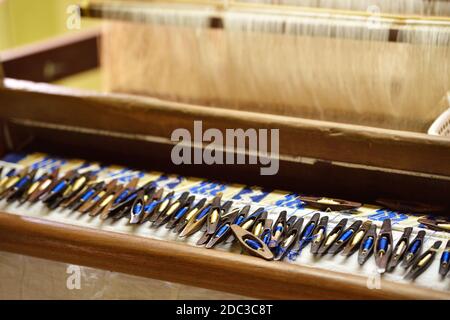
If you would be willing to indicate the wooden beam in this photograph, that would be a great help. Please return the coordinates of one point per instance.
(299, 138)
(181, 263)
(319, 178)
(53, 59)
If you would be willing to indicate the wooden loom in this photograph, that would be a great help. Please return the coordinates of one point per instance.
(333, 159)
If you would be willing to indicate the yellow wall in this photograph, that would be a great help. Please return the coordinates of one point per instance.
(26, 21)
(5, 33)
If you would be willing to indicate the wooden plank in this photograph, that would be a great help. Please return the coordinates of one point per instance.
(299, 137)
(53, 59)
(275, 82)
(319, 178)
(181, 263)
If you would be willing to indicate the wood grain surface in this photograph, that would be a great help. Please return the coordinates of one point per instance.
(299, 137)
(184, 264)
(89, 119)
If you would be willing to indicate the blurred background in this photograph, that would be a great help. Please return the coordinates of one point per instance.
(28, 22)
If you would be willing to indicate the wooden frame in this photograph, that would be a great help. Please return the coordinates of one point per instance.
(53, 59)
(355, 162)
(129, 114)
(40, 114)
(181, 263)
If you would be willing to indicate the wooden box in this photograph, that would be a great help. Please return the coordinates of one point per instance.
(336, 160)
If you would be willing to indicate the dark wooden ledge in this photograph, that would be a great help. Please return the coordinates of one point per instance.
(53, 59)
